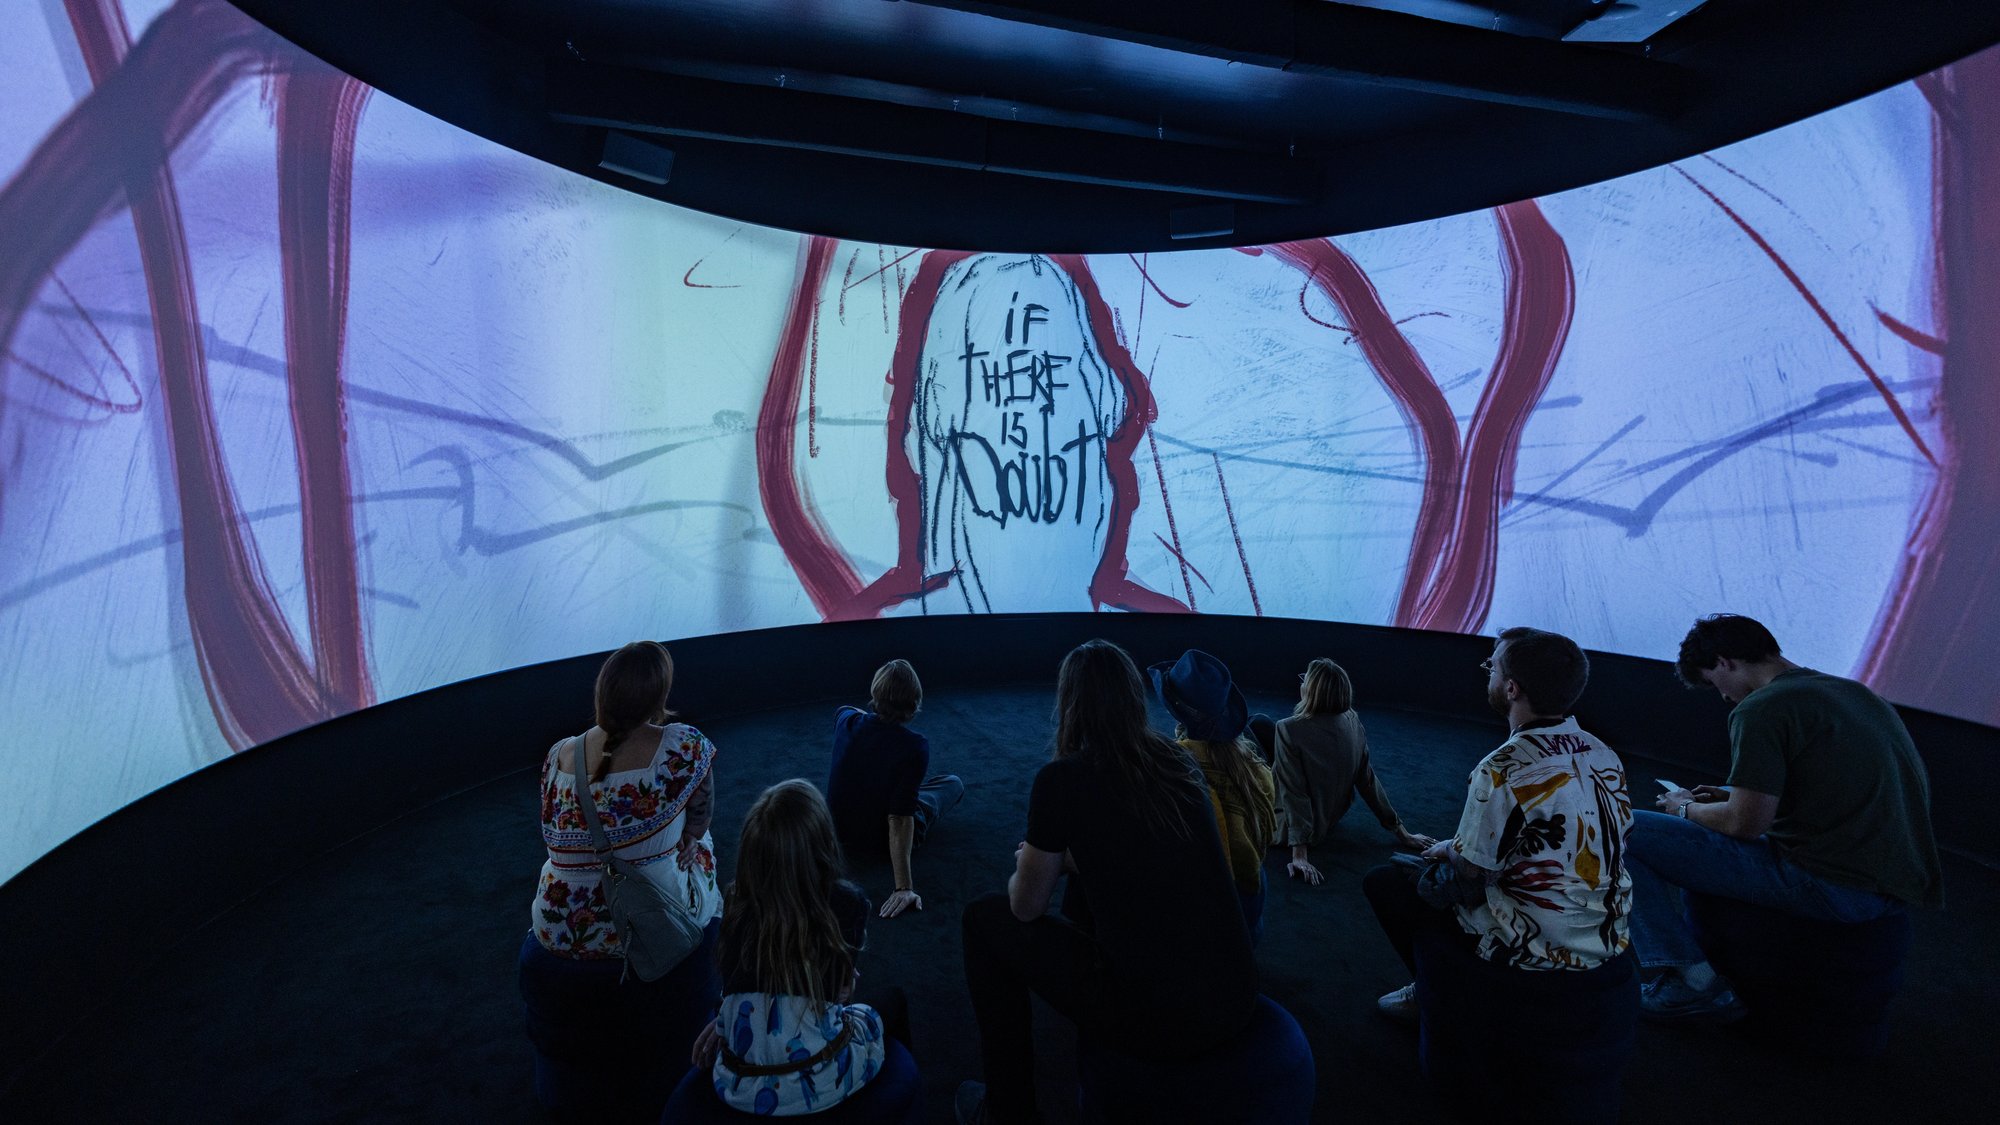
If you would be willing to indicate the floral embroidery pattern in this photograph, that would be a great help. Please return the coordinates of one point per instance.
(641, 811)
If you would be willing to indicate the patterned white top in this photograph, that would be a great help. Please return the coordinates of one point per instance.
(644, 812)
(1549, 811)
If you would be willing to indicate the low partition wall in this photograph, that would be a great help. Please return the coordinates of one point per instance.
(142, 879)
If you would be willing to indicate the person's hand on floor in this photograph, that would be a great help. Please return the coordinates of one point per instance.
(1414, 841)
(899, 901)
(1304, 870)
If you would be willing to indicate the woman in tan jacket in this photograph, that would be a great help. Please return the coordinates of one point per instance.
(1321, 761)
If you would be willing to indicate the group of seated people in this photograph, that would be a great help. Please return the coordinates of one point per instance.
(1550, 870)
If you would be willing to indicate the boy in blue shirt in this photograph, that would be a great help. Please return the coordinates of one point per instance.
(881, 781)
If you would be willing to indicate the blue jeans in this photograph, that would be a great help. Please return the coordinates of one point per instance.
(935, 797)
(1664, 852)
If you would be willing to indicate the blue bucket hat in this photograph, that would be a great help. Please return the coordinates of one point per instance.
(1202, 698)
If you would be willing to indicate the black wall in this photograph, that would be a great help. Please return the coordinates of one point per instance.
(131, 885)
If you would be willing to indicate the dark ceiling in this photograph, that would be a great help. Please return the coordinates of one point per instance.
(1108, 125)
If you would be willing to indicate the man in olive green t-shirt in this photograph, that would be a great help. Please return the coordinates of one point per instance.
(1826, 814)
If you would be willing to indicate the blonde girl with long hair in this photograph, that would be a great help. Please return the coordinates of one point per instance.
(787, 1041)
(1320, 759)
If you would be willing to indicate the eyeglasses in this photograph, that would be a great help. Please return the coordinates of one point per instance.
(1302, 677)
(1486, 665)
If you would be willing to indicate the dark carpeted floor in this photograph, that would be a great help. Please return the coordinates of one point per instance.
(378, 982)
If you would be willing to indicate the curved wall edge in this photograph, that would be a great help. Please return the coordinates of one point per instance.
(250, 820)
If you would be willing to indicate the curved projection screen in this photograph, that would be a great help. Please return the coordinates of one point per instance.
(312, 401)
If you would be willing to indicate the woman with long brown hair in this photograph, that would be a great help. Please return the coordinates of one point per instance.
(653, 784)
(786, 1040)
(1321, 761)
(1162, 961)
(603, 1037)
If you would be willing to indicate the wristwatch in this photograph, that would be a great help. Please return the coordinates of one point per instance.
(1682, 812)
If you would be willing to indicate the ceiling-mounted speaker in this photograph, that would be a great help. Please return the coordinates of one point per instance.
(636, 157)
(1210, 221)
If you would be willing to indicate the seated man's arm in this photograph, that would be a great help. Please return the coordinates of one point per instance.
(1745, 815)
(1465, 867)
(902, 838)
(908, 780)
(1033, 884)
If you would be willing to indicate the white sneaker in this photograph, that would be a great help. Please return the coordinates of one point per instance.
(1400, 1005)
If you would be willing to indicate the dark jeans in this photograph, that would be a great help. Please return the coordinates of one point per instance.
(611, 1049)
(935, 797)
(1392, 891)
(1006, 959)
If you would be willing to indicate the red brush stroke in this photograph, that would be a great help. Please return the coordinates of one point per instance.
(258, 682)
(1541, 298)
(120, 133)
(1229, 510)
(1167, 505)
(828, 578)
(1112, 585)
(318, 111)
(824, 571)
(1819, 310)
(873, 274)
(1409, 381)
(1915, 337)
(688, 280)
(1156, 285)
(118, 361)
(1186, 566)
(1935, 640)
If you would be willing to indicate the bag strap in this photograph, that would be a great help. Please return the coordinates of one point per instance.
(796, 1066)
(589, 806)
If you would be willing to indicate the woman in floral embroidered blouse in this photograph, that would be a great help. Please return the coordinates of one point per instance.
(653, 783)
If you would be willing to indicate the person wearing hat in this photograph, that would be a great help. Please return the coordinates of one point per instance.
(1211, 721)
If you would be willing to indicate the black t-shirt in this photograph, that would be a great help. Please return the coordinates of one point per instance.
(850, 906)
(1163, 909)
(877, 767)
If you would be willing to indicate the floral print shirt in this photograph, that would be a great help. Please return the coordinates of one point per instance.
(643, 812)
(1549, 811)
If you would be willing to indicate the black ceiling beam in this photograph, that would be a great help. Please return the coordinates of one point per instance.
(647, 101)
(1383, 48)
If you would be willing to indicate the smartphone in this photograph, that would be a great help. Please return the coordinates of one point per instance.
(1669, 786)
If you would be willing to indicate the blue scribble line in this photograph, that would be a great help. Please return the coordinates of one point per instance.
(471, 537)
(249, 359)
(1703, 456)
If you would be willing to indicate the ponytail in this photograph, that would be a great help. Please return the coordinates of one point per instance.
(632, 690)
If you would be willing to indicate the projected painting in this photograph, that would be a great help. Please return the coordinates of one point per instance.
(311, 401)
